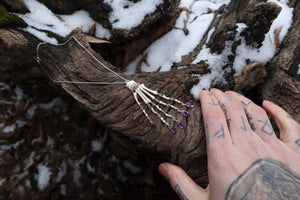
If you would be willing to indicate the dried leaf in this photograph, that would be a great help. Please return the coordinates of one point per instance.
(252, 75)
(93, 30)
(276, 39)
(94, 40)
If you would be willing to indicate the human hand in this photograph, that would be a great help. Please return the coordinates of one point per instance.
(245, 158)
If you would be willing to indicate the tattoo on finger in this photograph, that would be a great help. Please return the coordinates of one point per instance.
(246, 103)
(244, 125)
(207, 135)
(250, 122)
(266, 127)
(180, 193)
(227, 97)
(226, 115)
(220, 133)
(213, 102)
(298, 142)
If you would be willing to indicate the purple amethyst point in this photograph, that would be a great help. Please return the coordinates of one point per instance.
(181, 124)
(189, 105)
(173, 129)
(186, 113)
(153, 126)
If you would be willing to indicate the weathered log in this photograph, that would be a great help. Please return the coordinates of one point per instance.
(283, 83)
(114, 106)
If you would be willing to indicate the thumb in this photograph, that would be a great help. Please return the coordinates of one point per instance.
(181, 183)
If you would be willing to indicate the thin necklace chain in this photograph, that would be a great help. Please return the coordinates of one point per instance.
(98, 61)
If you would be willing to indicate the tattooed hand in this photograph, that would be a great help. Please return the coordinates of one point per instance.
(245, 158)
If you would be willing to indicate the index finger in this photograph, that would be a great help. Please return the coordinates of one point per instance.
(216, 128)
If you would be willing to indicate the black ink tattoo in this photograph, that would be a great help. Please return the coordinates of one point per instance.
(181, 195)
(289, 116)
(227, 97)
(213, 102)
(298, 142)
(207, 135)
(246, 104)
(266, 128)
(220, 133)
(244, 125)
(250, 122)
(265, 179)
(225, 113)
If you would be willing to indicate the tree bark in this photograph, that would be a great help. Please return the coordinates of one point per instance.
(283, 83)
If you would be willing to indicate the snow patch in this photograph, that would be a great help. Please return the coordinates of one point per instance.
(56, 104)
(50, 142)
(61, 173)
(40, 19)
(244, 53)
(43, 176)
(176, 43)
(169, 48)
(63, 189)
(127, 14)
(96, 145)
(131, 167)
(11, 128)
(5, 147)
(76, 170)
(2, 180)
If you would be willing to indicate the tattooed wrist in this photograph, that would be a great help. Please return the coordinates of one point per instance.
(265, 179)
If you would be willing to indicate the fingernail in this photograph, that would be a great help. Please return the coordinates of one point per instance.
(268, 102)
(163, 169)
(230, 92)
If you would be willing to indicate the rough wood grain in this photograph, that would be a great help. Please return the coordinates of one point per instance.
(283, 83)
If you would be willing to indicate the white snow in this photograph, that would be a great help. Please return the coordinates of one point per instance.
(127, 14)
(131, 167)
(41, 18)
(63, 189)
(96, 145)
(50, 142)
(56, 104)
(5, 147)
(76, 169)
(298, 72)
(12, 127)
(2, 180)
(43, 176)
(61, 173)
(168, 49)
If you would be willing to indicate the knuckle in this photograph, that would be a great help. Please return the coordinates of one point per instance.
(254, 109)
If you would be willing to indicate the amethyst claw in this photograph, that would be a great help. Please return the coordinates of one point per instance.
(189, 105)
(153, 126)
(181, 124)
(173, 129)
(186, 113)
